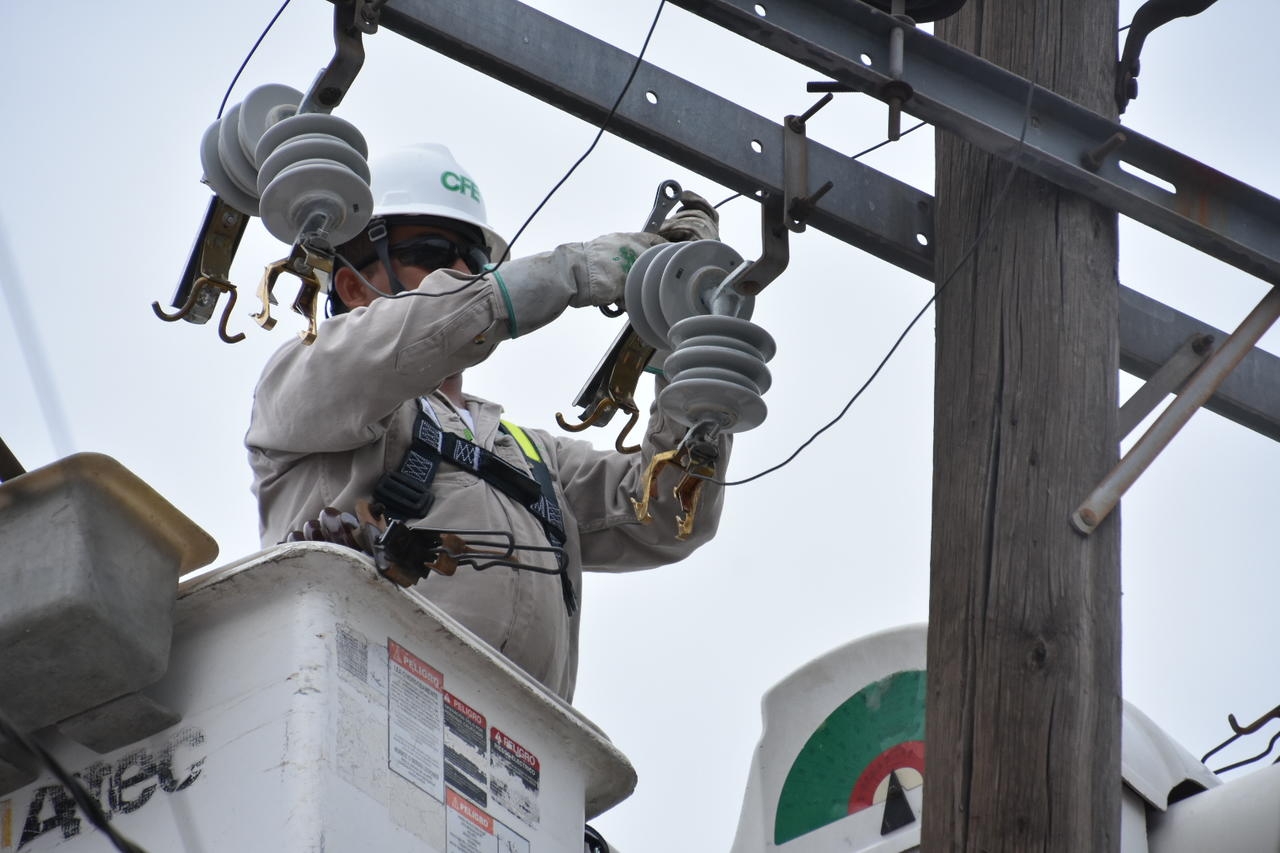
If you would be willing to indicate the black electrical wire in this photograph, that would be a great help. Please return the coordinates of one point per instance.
(249, 56)
(860, 154)
(964, 259)
(86, 801)
(635, 68)
(882, 143)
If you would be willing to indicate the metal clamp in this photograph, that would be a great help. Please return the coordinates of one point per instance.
(232, 167)
(312, 263)
(612, 385)
(697, 459)
(208, 271)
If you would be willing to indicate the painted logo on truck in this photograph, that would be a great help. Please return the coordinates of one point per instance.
(864, 754)
(121, 786)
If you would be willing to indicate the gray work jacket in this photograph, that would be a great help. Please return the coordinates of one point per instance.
(329, 419)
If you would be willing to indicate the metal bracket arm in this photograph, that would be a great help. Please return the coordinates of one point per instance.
(1099, 504)
(351, 18)
(775, 253)
(1165, 381)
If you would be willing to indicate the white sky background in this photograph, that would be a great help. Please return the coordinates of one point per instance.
(100, 201)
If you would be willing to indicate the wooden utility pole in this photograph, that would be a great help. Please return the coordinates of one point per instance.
(1023, 715)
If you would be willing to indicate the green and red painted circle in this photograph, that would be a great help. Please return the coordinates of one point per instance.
(844, 766)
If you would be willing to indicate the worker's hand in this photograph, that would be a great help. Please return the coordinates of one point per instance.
(609, 259)
(538, 288)
(336, 527)
(695, 219)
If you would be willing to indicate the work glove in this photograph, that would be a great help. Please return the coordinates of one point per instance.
(538, 288)
(336, 527)
(694, 219)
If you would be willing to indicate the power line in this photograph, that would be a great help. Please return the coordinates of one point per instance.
(635, 68)
(249, 56)
(857, 156)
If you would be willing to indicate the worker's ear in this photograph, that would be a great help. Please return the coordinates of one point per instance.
(350, 289)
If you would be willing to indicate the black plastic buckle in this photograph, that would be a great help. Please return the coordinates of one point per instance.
(402, 496)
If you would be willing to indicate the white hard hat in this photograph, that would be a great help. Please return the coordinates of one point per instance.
(426, 180)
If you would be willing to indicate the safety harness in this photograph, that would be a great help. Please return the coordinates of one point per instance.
(406, 494)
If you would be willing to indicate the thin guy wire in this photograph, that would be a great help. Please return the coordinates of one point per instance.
(635, 68)
(249, 56)
(861, 153)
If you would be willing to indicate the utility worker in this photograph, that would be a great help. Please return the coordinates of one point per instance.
(343, 420)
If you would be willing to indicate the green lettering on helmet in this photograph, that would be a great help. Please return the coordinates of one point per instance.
(456, 183)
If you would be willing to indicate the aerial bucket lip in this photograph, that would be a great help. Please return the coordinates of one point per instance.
(118, 497)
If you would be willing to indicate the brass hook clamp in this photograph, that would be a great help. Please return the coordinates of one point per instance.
(696, 457)
(313, 265)
(205, 292)
(612, 388)
(208, 271)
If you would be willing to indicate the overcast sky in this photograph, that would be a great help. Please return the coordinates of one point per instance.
(100, 201)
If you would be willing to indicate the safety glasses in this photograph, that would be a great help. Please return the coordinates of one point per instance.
(433, 252)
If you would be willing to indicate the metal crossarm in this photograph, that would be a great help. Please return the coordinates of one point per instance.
(1065, 143)
(583, 75)
(870, 210)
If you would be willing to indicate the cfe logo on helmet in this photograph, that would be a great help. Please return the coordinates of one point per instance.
(456, 183)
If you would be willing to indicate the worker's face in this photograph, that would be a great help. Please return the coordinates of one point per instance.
(411, 262)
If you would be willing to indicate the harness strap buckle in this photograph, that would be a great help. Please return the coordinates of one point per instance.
(402, 495)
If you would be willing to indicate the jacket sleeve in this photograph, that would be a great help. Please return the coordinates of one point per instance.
(337, 394)
(599, 486)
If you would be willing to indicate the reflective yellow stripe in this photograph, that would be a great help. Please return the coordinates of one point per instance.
(526, 444)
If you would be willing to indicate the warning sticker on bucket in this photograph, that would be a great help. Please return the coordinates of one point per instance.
(470, 829)
(465, 750)
(515, 775)
(415, 725)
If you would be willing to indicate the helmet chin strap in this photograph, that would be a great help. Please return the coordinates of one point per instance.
(377, 234)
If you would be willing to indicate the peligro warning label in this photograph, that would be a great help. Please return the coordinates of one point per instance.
(516, 775)
(415, 724)
(465, 753)
(446, 747)
(472, 830)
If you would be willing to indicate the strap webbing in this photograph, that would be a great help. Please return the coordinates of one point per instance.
(406, 494)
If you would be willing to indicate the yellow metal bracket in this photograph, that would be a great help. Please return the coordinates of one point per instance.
(314, 268)
(687, 491)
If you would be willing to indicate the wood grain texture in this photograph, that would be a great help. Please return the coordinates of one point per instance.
(1023, 718)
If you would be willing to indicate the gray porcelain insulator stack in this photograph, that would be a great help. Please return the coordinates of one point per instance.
(298, 171)
(716, 361)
